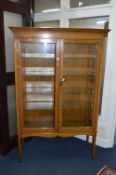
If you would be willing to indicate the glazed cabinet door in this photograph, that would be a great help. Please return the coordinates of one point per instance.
(37, 77)
(78, 84)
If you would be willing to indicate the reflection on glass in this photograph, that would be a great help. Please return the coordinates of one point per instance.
(82, 3)
(43, 5)
(79, 72)
(47, 24)
(38, 74)
(95, 22)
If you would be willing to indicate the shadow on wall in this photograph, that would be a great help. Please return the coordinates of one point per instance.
(115, 138)
(115, 126)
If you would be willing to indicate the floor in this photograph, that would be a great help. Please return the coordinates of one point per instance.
(57, 156)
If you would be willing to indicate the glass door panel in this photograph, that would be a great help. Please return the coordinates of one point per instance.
(84, 3)
(78, 84)
(51, 24)
(46, 6)
(38, 60)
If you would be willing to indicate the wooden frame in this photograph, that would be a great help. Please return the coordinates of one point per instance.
(82, 36)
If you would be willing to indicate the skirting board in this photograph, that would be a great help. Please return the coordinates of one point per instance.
(100, 141)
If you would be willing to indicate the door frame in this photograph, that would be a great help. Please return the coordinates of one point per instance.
(6, 79)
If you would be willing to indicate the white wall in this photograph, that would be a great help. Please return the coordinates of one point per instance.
(107, 119)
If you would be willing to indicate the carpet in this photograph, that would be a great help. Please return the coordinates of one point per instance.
(106, 170)
(57, 156)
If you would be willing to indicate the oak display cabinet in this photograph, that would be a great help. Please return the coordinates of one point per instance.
(58, 77)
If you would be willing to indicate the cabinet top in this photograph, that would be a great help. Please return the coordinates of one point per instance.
(19, 29)
(57, 32)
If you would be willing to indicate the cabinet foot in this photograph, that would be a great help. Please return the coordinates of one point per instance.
(87, 140)
(20, 144)
(93, 147)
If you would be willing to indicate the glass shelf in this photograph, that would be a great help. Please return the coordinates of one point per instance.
(80, 73)
(76, 124)
(79, 90)
(42, 84)
(47, 71)
(38, 98)
(38, 118)
(77, 105)
(38, 55)
(39, 105)
(34, 62)
(76, 56)
(39, 90)
(38, 124)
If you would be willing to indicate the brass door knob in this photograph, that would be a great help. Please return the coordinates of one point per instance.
(62, 80)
